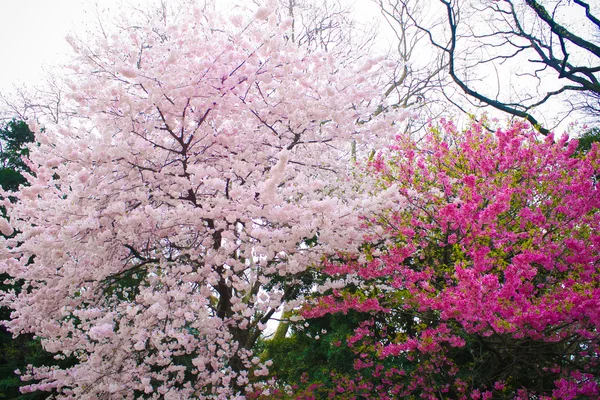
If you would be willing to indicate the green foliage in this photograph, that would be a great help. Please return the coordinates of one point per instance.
(14, 137)
(314, 354)
(11, 179)
(16, 354)
(585, 141)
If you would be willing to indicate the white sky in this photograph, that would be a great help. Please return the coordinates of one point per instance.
(32, 34)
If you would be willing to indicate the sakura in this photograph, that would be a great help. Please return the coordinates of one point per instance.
(207, 167)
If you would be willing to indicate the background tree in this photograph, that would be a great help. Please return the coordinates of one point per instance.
(45, 102)
(328, 25)
(311, 355)
(416, 73)
(586, 140)
(13, 148)
(525, 58)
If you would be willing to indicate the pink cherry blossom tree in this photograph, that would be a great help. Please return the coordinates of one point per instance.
(482, 281)
(206, 170)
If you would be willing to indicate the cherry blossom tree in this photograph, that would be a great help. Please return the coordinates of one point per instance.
(482, 281)
(207, 168)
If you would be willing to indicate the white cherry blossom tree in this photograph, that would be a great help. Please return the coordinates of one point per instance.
(207, 168)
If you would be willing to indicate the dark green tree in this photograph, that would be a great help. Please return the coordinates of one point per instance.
(315, 355)
(13, 139)
(585, 141)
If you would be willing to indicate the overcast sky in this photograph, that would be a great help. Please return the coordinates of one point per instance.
(32, 34)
